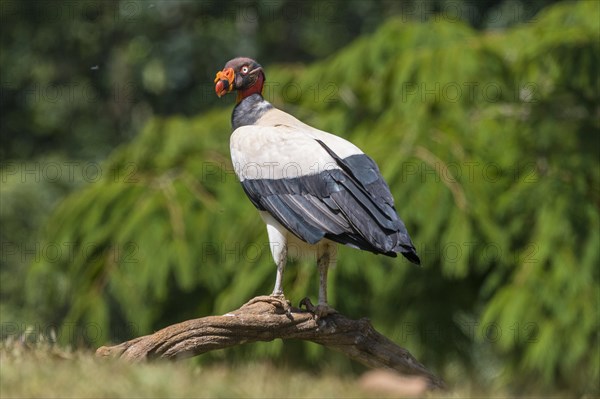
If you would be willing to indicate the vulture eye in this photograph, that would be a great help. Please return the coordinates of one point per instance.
(245, 69)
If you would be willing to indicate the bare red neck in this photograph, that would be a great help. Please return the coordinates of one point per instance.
(256, 88)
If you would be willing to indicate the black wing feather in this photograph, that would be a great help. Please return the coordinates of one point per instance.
(351, 205)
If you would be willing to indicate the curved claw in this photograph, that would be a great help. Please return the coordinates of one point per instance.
(306, 302)
(320, 311)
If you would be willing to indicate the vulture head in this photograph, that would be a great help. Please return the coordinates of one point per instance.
(242, 74)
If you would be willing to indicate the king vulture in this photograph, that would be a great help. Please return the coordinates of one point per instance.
(313, 189)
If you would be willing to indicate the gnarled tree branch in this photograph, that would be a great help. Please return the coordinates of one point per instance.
(266, 318)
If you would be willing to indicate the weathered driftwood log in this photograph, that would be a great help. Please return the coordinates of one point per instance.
(266, 318)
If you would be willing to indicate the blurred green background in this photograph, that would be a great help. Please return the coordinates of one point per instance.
(120, 212)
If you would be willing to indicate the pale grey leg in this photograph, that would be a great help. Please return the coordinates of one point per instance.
(323, 265)
(326, 258)
(278, 244)
(278, 290)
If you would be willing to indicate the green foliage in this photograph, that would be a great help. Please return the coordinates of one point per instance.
(30, 191)
(489, 142)
(97, 71)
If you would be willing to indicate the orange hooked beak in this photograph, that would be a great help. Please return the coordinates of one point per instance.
(224, 81)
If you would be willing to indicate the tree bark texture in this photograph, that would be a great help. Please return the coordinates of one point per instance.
(266, 318)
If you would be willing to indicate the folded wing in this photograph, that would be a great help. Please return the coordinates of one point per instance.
(307, 187)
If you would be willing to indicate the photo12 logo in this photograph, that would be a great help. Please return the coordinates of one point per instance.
(66, 172)
(73, 10)
(486, 92)
(72, 93)
(68, 252)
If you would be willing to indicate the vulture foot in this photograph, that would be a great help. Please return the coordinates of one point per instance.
(320, 311)
(278, 301)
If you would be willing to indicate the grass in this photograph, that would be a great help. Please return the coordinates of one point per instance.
(50, 372)
(46, 371)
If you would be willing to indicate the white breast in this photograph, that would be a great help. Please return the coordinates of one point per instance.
(280, 146)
